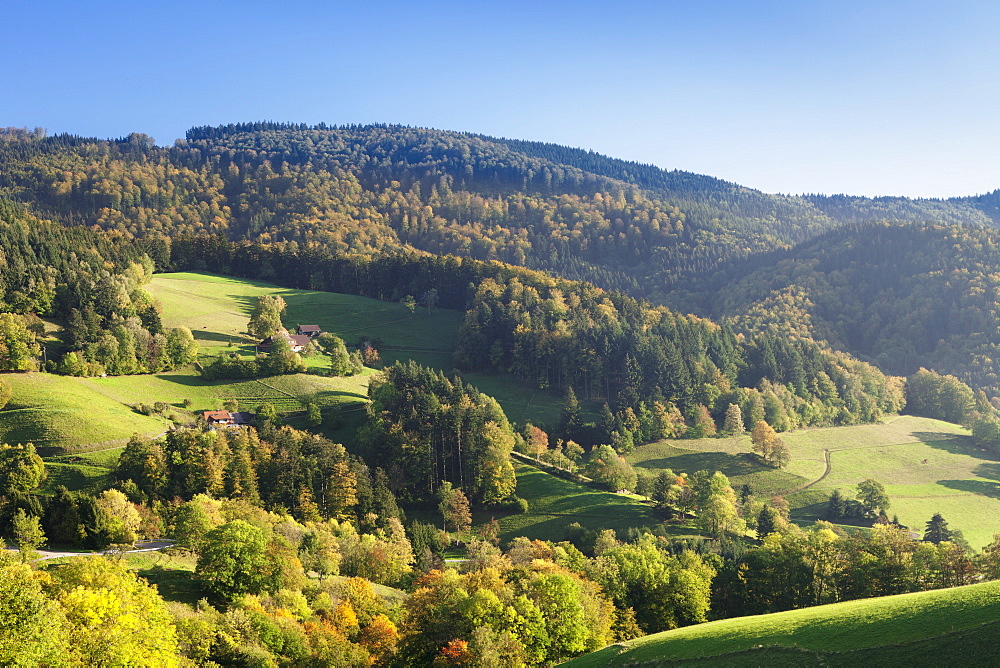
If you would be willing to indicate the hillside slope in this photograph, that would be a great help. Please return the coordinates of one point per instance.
(902, 296)
(942, 627)
(377, 188)
(690, 241)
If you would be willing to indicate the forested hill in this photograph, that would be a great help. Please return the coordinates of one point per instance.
(376, 189)
(675, 238)
(903, 296)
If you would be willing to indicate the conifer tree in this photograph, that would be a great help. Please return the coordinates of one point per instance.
(733, 424)
(570, 421)
(937, 530)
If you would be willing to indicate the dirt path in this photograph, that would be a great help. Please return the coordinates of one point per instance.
(826, 472)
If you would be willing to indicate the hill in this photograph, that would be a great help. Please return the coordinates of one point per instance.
(61, 414)
(901, 296)
(555, 503)
(378, 188)
(217, 308)
(927, 466)
(942, 627)
(352, 209)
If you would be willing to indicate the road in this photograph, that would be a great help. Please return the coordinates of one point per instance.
(141, 546)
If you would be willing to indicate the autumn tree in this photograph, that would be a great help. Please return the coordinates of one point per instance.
(233, 560)
(33, 628)
(121, 518)
(766, 443)
(266, 317)
(538, 440)
(340, 359)
(21, 469)
(112, 612)
(6, 392)
(28, 534)
(18, 348)
(454, 507)
(701, 423)
(609, 468)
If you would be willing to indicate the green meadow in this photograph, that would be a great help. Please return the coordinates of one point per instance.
(59, 413)
(945, 627)
(926, 465)
(217, 308)
(555, 503)
(65, 415)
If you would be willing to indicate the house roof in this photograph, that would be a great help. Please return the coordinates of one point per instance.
(306, 329)
(217, 416)
(294, 340)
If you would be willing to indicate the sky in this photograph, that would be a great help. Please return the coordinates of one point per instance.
(863, 98)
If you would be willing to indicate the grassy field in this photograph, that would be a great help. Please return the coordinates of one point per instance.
(57, 412)
(286, 393)
(555, 503)
(944, 627)
(926, 465)
(75, 415)
(217, 309)
(732, 456)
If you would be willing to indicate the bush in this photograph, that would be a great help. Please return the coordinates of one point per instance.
(231, 366)
(515, 504)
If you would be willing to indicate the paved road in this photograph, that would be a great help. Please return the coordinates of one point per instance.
(142, 546)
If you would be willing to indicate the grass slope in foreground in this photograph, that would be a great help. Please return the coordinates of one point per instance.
(943, 627)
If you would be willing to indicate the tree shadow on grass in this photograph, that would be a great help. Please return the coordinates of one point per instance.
(740, 464)
(330, 397)
(174, 584)
(961, 445)
(988, 471)
(980, 487)
(206, 335)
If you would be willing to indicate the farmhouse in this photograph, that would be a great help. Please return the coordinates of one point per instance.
(312, 331)
(227, 418)
(298, 342)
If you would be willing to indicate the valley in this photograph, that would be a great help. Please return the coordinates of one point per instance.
(519, 339)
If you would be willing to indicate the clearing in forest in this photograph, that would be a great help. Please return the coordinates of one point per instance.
(926, 465)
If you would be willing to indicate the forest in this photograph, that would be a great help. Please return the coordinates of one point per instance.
(673, 238)
(674, 305)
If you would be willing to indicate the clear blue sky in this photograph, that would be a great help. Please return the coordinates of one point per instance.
(894, 98)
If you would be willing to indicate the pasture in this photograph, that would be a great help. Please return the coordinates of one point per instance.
(59, 413)
(217, 308)
(555, 503)
(942, 627)
(926, 465)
